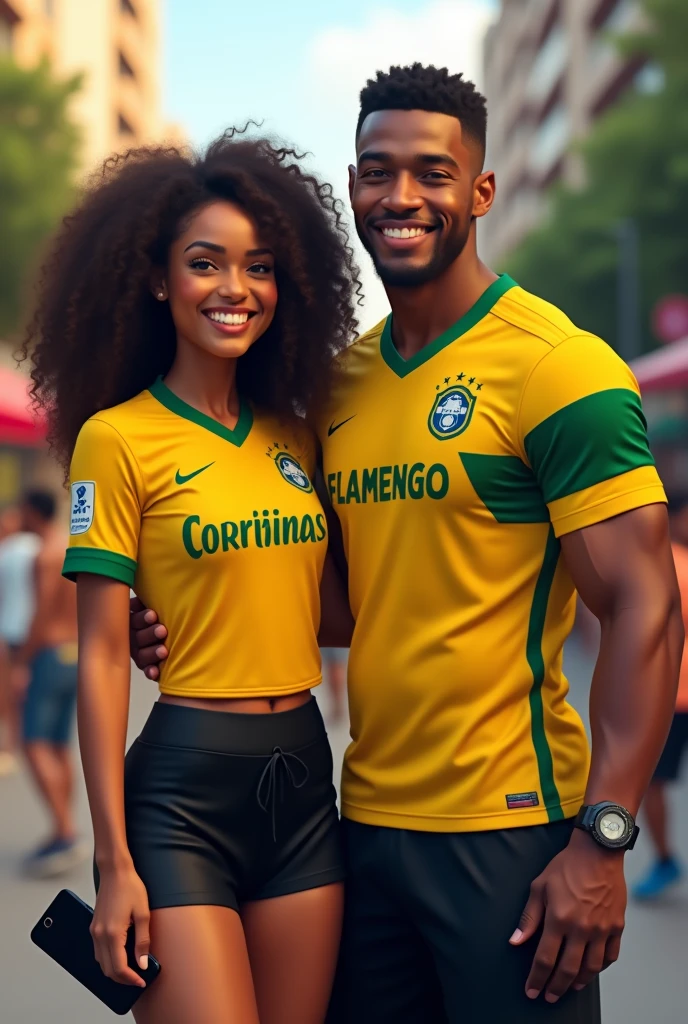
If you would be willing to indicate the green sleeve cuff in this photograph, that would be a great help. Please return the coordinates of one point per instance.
(100, 563)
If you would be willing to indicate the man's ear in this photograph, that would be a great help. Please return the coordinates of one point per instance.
(352, 181)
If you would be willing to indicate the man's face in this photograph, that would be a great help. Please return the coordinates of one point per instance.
(415, 190)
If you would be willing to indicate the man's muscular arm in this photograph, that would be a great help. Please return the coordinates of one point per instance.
(623, 570)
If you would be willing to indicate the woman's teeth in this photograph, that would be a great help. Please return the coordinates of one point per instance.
(403, 232)
(235, 319)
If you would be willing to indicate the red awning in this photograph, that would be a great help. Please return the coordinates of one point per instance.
(663, 370)
(18, 424)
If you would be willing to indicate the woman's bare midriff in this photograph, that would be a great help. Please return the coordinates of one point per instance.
(241, 705)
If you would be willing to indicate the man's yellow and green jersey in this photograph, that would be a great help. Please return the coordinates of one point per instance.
(219, 530)
(454, 474)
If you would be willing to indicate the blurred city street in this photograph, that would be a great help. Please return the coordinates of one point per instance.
(650, 983)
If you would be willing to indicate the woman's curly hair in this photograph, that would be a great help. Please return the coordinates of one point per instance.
(98, 337)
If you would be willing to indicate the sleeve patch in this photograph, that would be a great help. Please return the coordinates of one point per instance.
(83, 506)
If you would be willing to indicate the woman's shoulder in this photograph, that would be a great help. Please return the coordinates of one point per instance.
(126, 417)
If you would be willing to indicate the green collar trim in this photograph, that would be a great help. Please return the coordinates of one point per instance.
(177, 405)
(475, 314)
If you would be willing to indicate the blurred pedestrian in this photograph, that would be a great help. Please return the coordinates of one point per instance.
(45, 676)
(18, 550)
(666, 870)
(334, 674)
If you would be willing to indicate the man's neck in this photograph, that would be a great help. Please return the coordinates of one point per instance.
(419, 315)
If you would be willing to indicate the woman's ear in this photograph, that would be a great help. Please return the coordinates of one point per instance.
(158, 286)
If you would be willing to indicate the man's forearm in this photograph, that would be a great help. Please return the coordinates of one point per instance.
(633, 698)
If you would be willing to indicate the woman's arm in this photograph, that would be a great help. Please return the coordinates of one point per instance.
(103, 707)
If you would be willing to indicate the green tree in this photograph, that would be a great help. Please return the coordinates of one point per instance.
(39, 149)
(637, 168)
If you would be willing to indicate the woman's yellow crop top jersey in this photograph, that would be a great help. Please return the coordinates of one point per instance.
(220, 531)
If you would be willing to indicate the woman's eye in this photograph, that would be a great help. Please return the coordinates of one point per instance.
(260, 268)
(200, 263)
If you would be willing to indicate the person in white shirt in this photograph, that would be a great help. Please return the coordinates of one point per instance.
(18, 550)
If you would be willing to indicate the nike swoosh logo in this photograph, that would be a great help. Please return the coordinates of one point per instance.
(179, 479)
(332, 427)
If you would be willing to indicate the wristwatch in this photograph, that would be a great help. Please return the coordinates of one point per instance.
(609, 824)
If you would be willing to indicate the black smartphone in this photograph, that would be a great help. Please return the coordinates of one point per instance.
(63, 933)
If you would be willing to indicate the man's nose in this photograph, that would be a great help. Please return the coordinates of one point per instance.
(403, 195)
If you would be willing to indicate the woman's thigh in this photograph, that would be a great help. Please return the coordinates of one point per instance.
(205, 976)
(293, 942)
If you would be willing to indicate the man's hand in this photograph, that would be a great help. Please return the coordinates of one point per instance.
(581, 895)
(145, 634)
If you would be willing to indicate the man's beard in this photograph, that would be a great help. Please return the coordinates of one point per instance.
(445, 253)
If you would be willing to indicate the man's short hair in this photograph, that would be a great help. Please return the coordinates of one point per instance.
(41, 502)
(420, 87)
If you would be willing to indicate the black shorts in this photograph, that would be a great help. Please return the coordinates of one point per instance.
(427, 925)
(670, 762)
(223, 808)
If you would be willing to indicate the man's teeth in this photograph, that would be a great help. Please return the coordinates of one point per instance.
(403, 232)
(235, 319)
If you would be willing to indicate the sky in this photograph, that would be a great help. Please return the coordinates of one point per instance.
(298, 67)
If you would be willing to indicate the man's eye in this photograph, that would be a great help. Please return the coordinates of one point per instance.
(375, 172)
(200, 263)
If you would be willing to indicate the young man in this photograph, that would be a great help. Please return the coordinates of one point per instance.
(484, 457)
(667, 870)
(46, 670)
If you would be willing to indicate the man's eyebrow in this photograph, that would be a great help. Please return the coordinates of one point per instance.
(206, 245)
(369, 154)
(421, 158)
(436, 158)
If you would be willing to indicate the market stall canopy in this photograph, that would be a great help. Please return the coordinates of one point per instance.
(663, 370)
(19, 425)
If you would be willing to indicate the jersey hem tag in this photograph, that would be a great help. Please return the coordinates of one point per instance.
(514, 800)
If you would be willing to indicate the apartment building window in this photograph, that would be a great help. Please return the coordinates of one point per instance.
(622, 16)
(125, 68)
(617, 17)
(124, 127)
(550, 141)
(549, 65)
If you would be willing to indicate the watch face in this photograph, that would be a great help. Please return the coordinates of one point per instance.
(612, 826)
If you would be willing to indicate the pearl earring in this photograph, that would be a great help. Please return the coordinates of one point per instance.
(161, 295)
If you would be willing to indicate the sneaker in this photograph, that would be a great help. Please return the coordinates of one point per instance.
(660, 877)
(8, 763)
(55, 858)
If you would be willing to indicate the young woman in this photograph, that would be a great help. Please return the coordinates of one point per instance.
(190, 308)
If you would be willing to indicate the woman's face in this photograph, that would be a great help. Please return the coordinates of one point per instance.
(220, 281)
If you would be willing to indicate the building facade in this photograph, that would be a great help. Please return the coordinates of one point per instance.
(551, 68)
(115, 45)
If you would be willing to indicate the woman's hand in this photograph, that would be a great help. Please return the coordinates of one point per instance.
(122, 898)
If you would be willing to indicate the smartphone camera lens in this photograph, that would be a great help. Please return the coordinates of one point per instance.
(48, 923)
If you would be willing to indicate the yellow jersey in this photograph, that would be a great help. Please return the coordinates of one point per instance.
(219, 530)
(453, 474)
